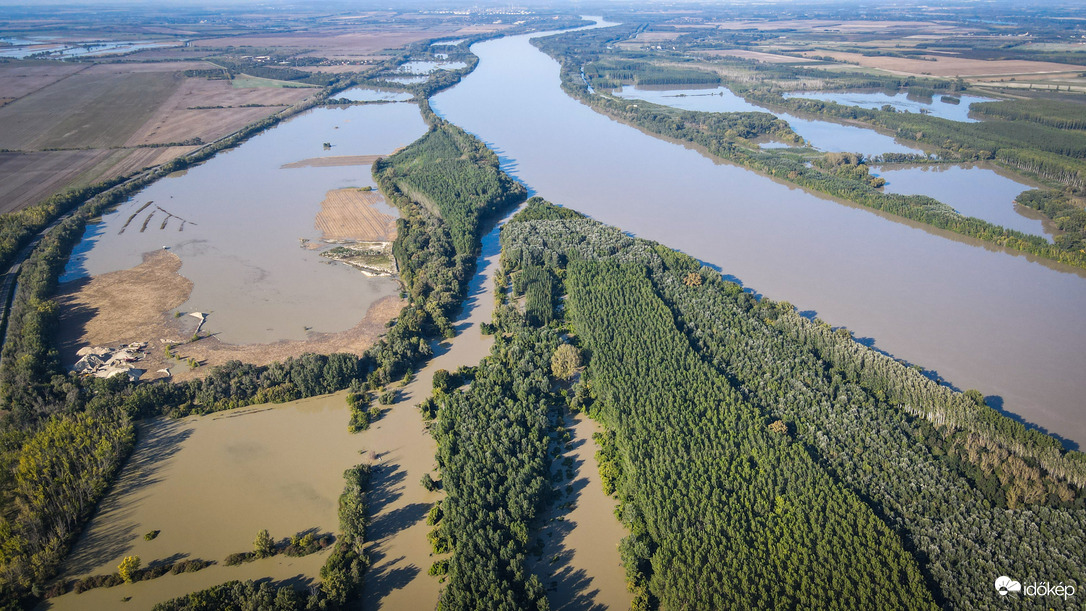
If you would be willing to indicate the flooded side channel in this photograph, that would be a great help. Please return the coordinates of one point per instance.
(979, 317)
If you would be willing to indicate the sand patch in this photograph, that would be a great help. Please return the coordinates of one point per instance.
(137, 304)
(352, 214)
(333, 161)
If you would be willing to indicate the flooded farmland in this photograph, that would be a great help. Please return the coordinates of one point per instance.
(261, 285)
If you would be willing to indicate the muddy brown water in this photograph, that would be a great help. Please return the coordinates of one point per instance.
(978, 316)
(237, 222)
(209, 484)
(580, 566)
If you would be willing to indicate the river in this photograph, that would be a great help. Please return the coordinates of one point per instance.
(979, 317)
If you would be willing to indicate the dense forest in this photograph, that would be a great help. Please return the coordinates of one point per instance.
(1046, 151)
(782, 433)
(493, 443)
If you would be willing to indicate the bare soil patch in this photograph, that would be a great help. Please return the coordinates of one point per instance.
(947, 66)
(350, 214)
(85, 110)
(185, 114)
(769, 58)
(20, 78)
(137, 305)
(333, 161)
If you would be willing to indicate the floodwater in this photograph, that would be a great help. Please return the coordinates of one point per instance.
(426, 67)
(238, 220)
(983, 192)
(398, 548)
(209, 484)
(822, 135)
(978, 316)
(374, 94)
(580, 566)
(22, 48)
(936, 106)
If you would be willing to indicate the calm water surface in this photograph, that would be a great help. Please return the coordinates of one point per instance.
(823, 135)
(900, 101)
(245, 218)
(981, 318)
(974, 191)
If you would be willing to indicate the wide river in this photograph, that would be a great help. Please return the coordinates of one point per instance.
(981, 318)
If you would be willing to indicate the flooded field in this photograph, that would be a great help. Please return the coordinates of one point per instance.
(259, 286)
(426, 67)
(208, 484)
(376, 94)
(822, 135)
(977, 316)
(984, 192)
(940, 105)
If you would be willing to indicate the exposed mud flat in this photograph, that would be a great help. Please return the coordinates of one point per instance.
(209, 483)
(333, 162)
(137, 305)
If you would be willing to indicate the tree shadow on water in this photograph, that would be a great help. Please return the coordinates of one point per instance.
(113, 529)
(382, 580)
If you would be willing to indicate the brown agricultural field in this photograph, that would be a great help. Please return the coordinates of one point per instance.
(949, 66)
(20, 78)
(332, 45)
(102, 114)
(27, 178)
(350, 214)
(85, 111)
